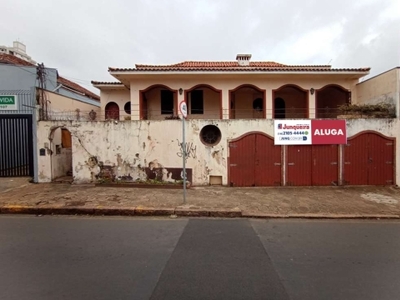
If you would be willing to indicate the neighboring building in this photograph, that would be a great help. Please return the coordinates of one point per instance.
(18, 50)
(230, 134)
(382, 88)
(54, 97)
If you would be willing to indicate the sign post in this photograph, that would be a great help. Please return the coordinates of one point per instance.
(183, 111)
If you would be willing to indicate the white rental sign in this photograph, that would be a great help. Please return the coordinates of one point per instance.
(292, 132)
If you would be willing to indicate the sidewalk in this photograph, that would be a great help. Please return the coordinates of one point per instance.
(20, 196)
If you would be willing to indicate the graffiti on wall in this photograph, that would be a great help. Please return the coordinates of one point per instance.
(188, 148)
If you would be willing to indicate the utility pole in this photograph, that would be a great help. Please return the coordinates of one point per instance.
(41, 77)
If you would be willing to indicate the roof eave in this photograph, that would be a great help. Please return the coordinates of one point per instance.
(109, 86)
(141, 73)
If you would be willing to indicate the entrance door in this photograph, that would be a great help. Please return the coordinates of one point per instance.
(369, 160)
(254, 161)
(112, 111)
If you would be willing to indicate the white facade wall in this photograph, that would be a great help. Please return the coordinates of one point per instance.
(130, 145)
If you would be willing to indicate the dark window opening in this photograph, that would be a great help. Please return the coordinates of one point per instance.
(258, 104)
(280, 108)
(196, 102)
(167, 102)
(127, 107)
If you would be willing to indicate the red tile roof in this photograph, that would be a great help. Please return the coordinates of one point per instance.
(76, 87)
(234, 66)
(105, 83)
(13, 60)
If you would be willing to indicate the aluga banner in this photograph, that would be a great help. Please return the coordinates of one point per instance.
(310, 132)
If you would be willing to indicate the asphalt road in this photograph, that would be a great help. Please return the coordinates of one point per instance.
(136, 258)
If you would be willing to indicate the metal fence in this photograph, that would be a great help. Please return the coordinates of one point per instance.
(16, 145)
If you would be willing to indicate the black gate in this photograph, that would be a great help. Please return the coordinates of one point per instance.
(16, 145)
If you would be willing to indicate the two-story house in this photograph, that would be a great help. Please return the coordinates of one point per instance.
(230, 135)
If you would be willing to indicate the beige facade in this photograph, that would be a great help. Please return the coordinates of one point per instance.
(62, 107)
(383, 88)
(226, 83)
(120, 96)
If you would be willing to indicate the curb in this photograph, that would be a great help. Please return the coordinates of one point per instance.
(179, 212)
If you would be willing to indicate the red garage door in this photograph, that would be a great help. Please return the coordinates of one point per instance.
(369, 160)
(312, 165)
(325, 164)
(298, 168)
(254, 160)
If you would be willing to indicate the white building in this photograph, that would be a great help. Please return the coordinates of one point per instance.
(19, 50)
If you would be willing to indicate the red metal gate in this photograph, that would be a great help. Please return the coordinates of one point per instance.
(254, 160)
(312, 165)
(298, 167)
(325, 164)
(369, 160)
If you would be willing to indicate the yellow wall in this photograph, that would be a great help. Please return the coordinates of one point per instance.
(61, 106)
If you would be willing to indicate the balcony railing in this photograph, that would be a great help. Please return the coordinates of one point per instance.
(288, 113)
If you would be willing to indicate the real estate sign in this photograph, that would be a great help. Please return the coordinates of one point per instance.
(307, 132)
(292, 132)
(8, 102)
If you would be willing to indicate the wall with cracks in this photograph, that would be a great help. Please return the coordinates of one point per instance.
(152, 150)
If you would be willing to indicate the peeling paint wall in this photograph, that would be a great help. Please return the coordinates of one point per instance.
(136, 149)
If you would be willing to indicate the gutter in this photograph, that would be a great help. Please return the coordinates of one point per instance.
(235, 72)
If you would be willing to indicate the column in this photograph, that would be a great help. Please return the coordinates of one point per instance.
(311, 105)
(225, 104)
(135, 104)
(269, 104)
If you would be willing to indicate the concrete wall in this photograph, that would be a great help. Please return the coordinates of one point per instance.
(384, 88)
(126, 147)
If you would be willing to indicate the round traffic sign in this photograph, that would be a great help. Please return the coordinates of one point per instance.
(183, 108)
